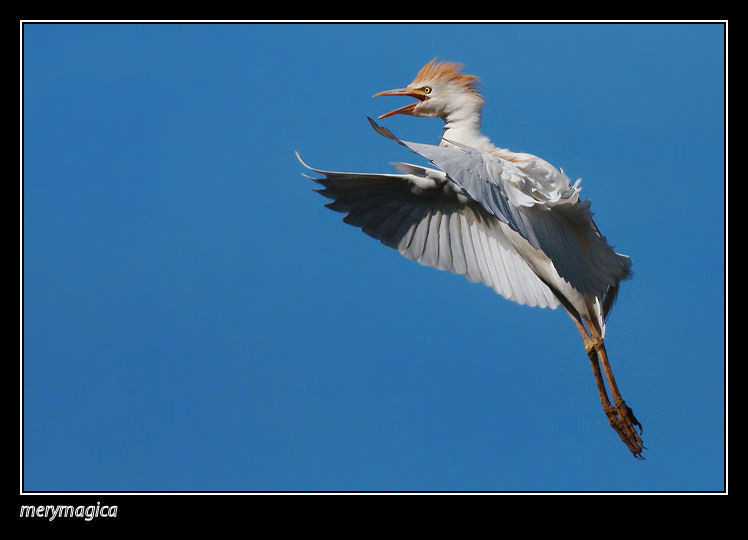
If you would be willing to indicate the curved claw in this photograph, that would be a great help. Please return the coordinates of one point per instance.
(630, 414)
(623, 421)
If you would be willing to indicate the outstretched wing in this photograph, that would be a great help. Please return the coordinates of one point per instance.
(427, 218)
(539, 205)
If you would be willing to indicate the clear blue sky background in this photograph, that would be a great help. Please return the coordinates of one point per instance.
(195, 319)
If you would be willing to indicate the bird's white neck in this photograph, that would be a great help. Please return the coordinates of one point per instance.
(463, 126)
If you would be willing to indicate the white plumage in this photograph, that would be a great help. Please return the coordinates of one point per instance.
(511, 221)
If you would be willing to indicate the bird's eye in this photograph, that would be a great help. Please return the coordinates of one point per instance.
(426, 89)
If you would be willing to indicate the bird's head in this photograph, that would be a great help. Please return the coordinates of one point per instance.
(441, 90)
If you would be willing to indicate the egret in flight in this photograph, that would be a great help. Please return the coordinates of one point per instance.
(509, 220)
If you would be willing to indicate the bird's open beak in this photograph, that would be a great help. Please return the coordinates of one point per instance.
(410, 92)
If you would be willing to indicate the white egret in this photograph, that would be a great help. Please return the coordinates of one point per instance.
(509, 220)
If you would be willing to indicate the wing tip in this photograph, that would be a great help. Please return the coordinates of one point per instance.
(304, 163)
(384, 132)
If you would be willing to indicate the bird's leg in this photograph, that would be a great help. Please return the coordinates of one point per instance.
(620, 416)
(589, 347)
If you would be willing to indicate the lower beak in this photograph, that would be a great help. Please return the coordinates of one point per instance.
(408, 109)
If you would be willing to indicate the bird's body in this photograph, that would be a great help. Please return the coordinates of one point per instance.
(509, 220)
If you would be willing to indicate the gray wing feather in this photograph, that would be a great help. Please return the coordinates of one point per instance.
(483, 258)
(433, 228)
(459, 265)
(565, 233)
(418, 243)
(473, 268)
(444, 261)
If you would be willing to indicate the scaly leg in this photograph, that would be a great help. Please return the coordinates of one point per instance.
(589, 347)
(620, 416)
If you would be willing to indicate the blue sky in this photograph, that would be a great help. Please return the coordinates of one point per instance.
(195, 319)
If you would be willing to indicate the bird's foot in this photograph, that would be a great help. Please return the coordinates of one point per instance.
(623, 421)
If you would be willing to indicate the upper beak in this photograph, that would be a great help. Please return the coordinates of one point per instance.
(408, 109)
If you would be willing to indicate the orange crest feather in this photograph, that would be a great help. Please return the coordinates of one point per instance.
(446, 71)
